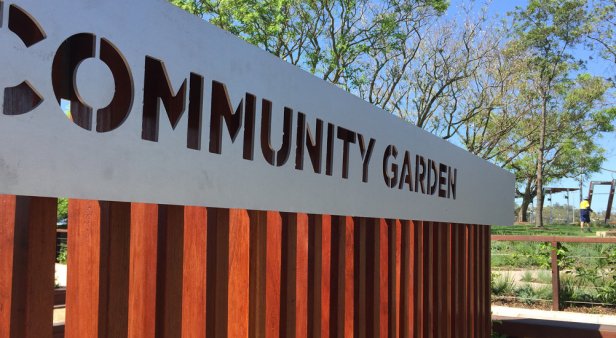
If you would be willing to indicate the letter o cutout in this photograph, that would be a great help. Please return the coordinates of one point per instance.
(69, 55)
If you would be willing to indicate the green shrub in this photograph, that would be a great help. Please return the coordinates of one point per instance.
(62, 254)
(502, 285)
(527, 276)
(544, 277)
(62, 209)
(544, 292)
(607, 292)
(526, 293)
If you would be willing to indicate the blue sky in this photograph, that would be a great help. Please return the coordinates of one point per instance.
(596, 66)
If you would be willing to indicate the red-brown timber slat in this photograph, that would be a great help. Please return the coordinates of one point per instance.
(143, 270)
(383, 277)
(239, 258)
(146, 270)
(98, 266)
(326, 268)
(301, 277)
(194, 272)
(27, 230)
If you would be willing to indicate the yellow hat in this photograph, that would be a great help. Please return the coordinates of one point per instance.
(584, 204)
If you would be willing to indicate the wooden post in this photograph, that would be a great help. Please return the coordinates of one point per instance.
(555, 277)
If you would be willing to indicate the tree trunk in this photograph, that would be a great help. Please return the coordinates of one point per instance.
(539, 219)
(527, 199)
(523, 213)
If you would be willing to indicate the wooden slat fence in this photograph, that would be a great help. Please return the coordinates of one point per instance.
(145, 270)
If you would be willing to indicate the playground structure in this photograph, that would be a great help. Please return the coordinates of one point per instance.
(610, 199)
(548, 191)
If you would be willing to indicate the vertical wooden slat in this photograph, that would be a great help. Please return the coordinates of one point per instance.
(464, 238)
(487, 289)
(454, 279)
(359, 309)
(472, 279)
(114, 252)
(394, 235)
(301, 281)
(84, 254)
(194, 272)
(349, 275)
(326, 268)
(449, 281)
(407, 234)
(27, 254)
(8, 208)
(170, 252)
(420, 280)
(430, 268)
(265, 270)
(342, 277)
(289, 275)
(315, 275)
(143, 270)
(383, 277)
(217, 273)
(239, 263)
(438, 265)
(273, 269)
(555, 276)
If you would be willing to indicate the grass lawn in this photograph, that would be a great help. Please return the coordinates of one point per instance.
(550, 230)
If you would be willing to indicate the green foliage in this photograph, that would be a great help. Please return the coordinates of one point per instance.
(62, 209)
(544, 277)
(502, 284)
(62, 254)
(527, 277)
(527, 294)
(606, 293)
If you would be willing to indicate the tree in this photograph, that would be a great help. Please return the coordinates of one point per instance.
(331, 39)
(602, 36)
(578, 118)
(548, 30)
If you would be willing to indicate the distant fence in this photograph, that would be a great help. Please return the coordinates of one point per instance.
(555, 242)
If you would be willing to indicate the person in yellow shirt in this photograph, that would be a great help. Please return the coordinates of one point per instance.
(585, 211)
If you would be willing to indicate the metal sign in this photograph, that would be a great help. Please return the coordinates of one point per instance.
(139, 101)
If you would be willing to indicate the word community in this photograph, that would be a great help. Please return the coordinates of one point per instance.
(318, 140)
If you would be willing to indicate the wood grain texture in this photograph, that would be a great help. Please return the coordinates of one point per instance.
(301, 277)
(326, 266)
(114, 269)
(27, 254)
(383, 277)
(239, 263)
(170, 252)
(194, 272)
(83, 270)
(143, 270)
(217, 275)
(8, 208)
(348, 225)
